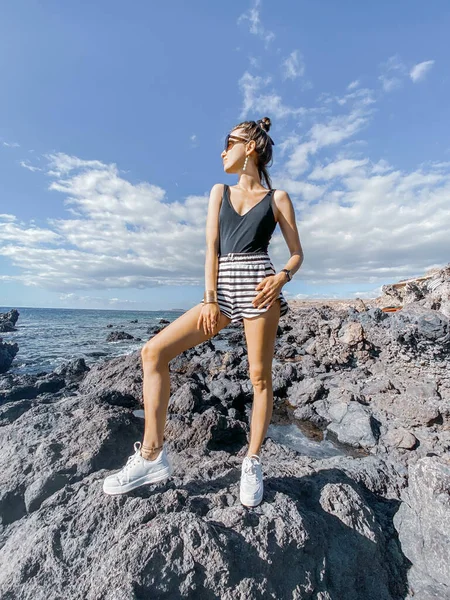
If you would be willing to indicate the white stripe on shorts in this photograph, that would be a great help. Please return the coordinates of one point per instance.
(238, 275)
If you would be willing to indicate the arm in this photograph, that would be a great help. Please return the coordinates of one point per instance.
(212, 237)
(288, 226)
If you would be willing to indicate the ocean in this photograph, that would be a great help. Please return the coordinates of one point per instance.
(48, 337)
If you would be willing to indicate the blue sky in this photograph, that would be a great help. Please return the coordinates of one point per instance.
(112, 119)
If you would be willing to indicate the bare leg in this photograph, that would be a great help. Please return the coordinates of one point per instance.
(156, 354)
(260, 333)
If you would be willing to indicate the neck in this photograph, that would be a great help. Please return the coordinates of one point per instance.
(250, 182)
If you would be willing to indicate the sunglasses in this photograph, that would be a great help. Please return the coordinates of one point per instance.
(231, 140)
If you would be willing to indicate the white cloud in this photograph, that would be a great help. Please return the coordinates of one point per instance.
(29, 167)
(71, 300)
(393, 71)
(419, 71)
(256, 101)
(121, 235)
(293, 66)
(252, 15)
(11, 145)
(360, 220)
(339, 168)
(354, 84)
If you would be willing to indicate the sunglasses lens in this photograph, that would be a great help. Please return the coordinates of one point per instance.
(226, 142)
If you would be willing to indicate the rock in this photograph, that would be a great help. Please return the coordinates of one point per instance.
(8, 321)
(417, 328)
(154, 329)
(55, 514)
(376, 381)
(186, 399)
(7, 354)
(74, 370)
(352, 424)
(116, 336)
(304, 392)
(12, 316)
(122, 375)
(359, 305)
(422, 522)
(400, 438)
(407, 410)
(352, 334)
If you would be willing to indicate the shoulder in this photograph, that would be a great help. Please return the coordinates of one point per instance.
(216, 195)
(281, 202)
(217, 190)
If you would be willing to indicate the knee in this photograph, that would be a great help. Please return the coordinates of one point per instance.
(260, 378)
(151, 352)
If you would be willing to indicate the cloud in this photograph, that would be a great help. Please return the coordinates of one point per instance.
(339, 168)
(11, 145)
(29, 167)
(393, 72)
(360, 220)
(71, 300)
(255, 100)
(120, 235)
(333, 130)
(293, 66)
(419, 71)
(252, 15)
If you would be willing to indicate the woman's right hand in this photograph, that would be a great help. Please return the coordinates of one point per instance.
(209, 318)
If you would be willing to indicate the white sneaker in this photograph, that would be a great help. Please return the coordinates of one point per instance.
(138, 471)
(252, 487)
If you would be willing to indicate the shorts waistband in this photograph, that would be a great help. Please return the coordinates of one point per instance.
(244, 257)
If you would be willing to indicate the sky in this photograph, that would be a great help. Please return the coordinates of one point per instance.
(112, 121)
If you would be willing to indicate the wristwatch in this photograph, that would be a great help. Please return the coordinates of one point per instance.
(288, 273)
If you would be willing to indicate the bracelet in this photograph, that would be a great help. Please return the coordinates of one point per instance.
(210, 296)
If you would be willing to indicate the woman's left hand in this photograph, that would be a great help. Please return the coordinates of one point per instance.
(269, 289)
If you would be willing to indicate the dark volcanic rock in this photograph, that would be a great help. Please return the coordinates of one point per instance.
(423, 524)
(116, 336)
(335, 533)
(372, 525)
(8, 320)
(7, 354)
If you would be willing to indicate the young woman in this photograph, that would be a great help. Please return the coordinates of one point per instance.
(241, 285)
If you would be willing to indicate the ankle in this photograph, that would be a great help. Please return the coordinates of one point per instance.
(150, 452)
(253, 455)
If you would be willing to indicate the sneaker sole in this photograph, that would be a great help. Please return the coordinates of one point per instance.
(250, 500)
(147, 479)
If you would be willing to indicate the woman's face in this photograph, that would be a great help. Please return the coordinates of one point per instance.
(234, 156)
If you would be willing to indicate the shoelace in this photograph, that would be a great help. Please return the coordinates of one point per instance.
(124, 476)
(250, 469)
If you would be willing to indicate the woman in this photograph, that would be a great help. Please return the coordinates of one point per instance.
(241, 285)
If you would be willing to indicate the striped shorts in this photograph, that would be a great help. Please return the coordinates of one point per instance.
(238, 275)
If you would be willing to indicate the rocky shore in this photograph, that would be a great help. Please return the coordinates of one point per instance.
(374, 524)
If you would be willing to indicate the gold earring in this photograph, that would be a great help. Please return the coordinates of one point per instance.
(245, 163)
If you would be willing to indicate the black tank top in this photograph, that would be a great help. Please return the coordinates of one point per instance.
(250, 232)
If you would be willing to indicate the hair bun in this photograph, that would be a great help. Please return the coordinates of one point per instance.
(265, 123)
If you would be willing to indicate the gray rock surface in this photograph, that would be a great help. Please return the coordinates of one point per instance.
(7, 353)
(423, 523)
(8, 320)
(369, 525)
